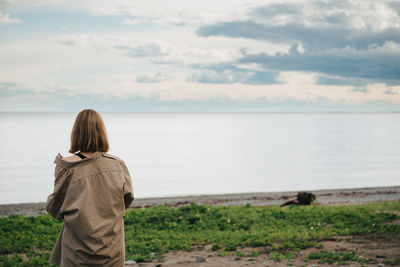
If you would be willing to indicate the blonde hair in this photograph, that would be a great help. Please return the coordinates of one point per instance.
(89, 133)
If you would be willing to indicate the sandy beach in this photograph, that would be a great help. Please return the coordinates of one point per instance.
(324, 197)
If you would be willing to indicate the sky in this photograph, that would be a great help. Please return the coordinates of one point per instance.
(200, 56)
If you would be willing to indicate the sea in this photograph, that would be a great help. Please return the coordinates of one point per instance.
(179, 154)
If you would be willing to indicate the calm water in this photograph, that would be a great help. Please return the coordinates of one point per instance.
(207, 153)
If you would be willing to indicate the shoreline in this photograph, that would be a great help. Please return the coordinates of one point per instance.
(323, 197)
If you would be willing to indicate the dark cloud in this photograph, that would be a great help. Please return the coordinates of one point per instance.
(333, 47)
(312, 38)
(372, 65)
(336, 67)
(263, 77)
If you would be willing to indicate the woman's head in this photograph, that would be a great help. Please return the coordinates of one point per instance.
(89, 133)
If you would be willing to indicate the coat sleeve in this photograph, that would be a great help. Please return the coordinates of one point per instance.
(128, 188)
(56, 200)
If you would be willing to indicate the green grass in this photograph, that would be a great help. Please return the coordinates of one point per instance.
(333, 257)
(152, 232)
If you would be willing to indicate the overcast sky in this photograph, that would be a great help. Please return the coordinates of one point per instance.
(226, 55)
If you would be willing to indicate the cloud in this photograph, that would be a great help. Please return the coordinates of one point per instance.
(395, 6)
(10, 89)
(376, 64)
(311, 38)
(227, 73)
(156, 51)
(327, 80)
(229, 77)
(155, 15)
(11, 3)
(143, 50)
(340, 44)
(335, 81)
(63, 100)
(162, 14)
(133, 21)
(263, 77)
(345, 42)
(6, 19)
(347, 66)
(156, 78)
(359, 89)
(390, 91)
(223, 77)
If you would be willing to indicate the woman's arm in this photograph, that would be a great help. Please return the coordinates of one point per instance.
(56, 200)
(128, 188)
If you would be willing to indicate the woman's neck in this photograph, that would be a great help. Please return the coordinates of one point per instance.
(87, 154)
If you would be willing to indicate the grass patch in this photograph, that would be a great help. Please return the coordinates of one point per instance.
(333, 257)
(152, 232)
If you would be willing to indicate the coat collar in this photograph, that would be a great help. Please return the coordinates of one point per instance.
(59, 160)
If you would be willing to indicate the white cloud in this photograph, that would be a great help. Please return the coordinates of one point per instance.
(356, 15)
(6, 19)
(134, 21)
(14, 3)
(161, 56)
(156, 78)
(158, 52)
(174, 12)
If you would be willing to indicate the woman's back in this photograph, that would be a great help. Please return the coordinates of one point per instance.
(90, 195)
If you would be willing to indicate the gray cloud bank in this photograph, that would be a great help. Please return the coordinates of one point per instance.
(346, 43)
(62, 100)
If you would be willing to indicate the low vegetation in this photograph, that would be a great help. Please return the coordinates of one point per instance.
(153, 231)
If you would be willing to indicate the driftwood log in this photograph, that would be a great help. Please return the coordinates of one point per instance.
(303, 198)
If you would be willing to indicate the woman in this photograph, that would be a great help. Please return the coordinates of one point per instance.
(92, 189)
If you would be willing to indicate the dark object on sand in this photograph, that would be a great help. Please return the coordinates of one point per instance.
(303, 198)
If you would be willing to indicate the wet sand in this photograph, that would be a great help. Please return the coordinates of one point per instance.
(323, 197)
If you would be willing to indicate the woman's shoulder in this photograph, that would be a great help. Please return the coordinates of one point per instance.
(74, 160)
(115, 158)
(110, 156)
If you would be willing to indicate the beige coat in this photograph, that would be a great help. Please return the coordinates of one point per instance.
(91, 196)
